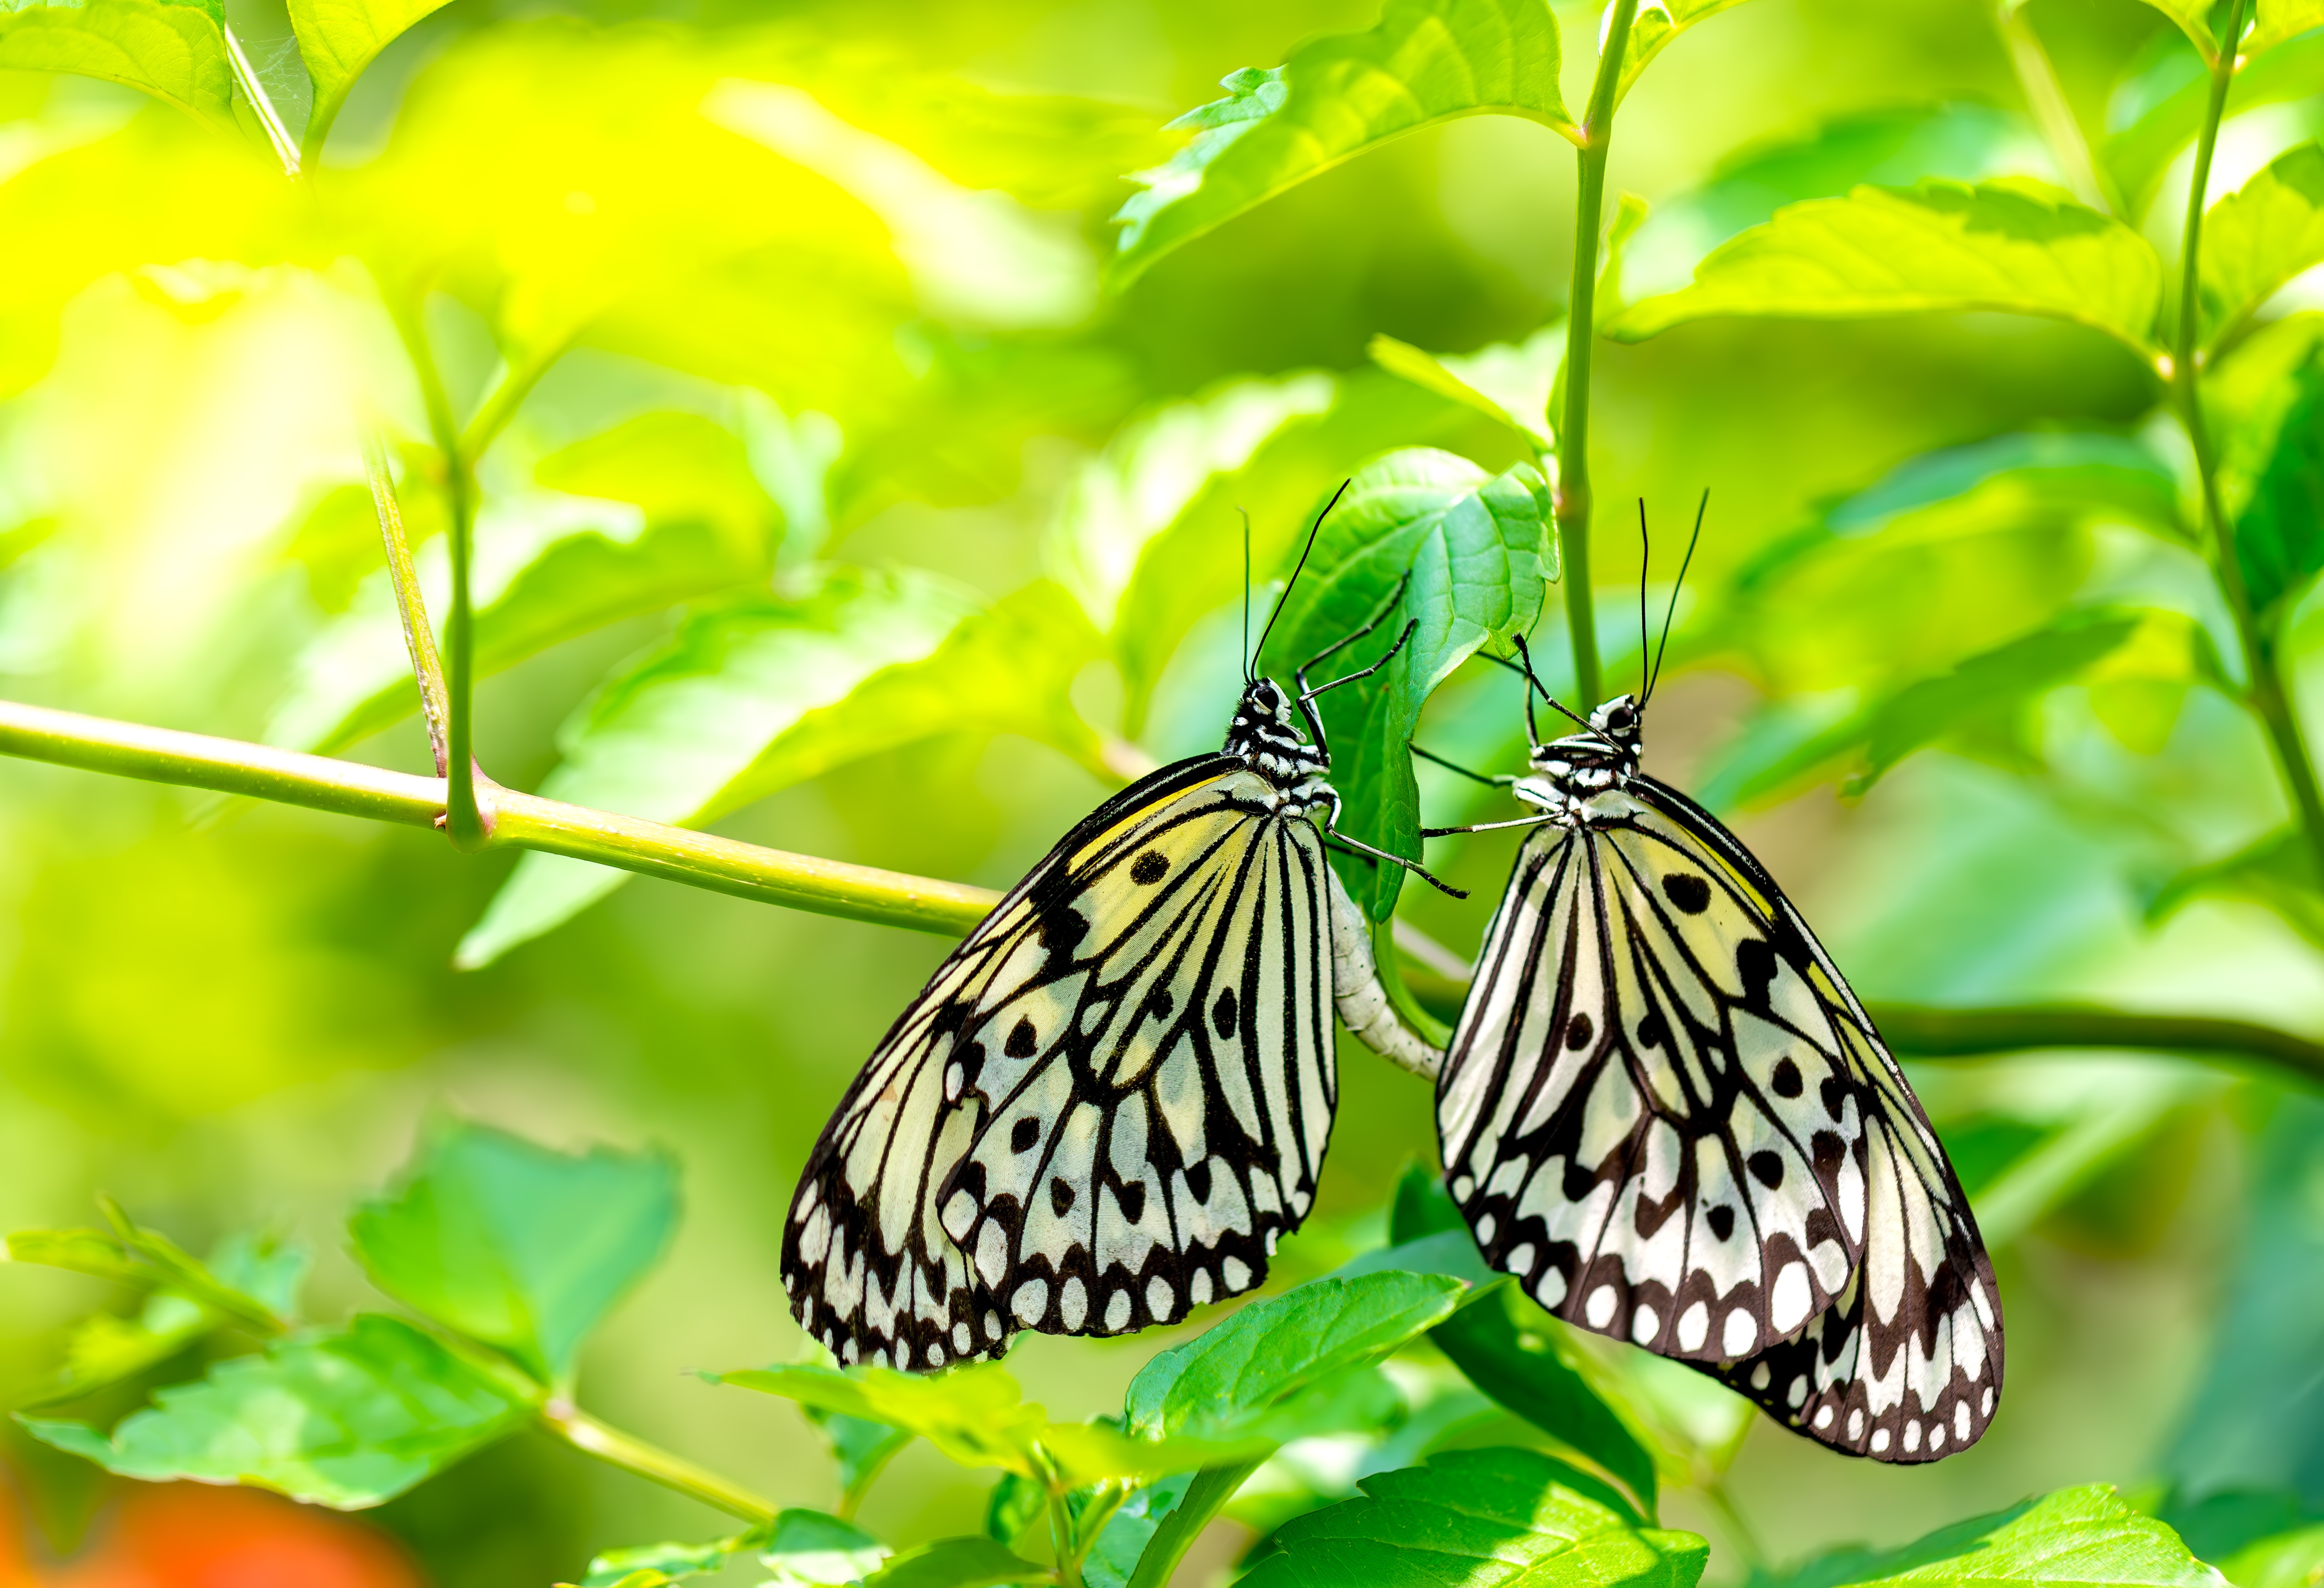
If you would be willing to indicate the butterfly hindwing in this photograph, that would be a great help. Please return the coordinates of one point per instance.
(1157, 1103)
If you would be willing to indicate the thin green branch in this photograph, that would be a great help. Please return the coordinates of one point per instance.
(864, 892)
(463, 821)
(521, 821)
(286, 147)
(500, 405)
(2265, 690)
(1963, 1033)
(585, 1434)
(1573, 504)
(410, 609)
(2045, 96)
(1204, 1498)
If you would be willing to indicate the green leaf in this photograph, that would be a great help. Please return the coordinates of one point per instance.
(337, 39)
(2254, 1416)
(346, 1419)
(1477, 549)
(1224, 1380)
(659, 511)
(2013, 245)
(956, 1563)
(2021, 478)
(182, 1270)
(1014, 1506)
(2280, 533)
(616, 210)
(2192, 18)
(2287, 1560)
(1336, 96)
(1887, 147)
(174, 50)
(800, 1545)
(103, 1350)
(668, 736)
(2277, 873)
(153, 191)
(1114, 1558)
(975, 1416)
(811, 1547)
(1992, 690)
(1008, 670)
(517, 1245)
(2259, 237)
(1510, 383)
(1523, 1358)
(2083, 1538)
(2156, 114)
(2279, 20)
(1479, 1516)
(90, 1252)
(860, 1449)
(1656, 26)
(1154, 468)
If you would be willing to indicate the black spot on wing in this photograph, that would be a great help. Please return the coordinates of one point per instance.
(1689, 892)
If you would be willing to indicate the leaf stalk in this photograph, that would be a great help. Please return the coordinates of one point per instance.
(464, 819)
(1571, 503)
(410, 609)
(585, 1434)
(2265, 688)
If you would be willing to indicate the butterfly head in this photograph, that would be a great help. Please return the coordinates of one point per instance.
(1267, 732)
(1570, 771)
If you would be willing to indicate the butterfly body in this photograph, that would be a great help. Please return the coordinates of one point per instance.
(1666, 1113)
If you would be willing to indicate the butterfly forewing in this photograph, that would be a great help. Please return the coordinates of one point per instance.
(1157, 1101)
(1647, 1116)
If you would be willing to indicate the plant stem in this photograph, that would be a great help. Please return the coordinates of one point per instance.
(350, 788)
(585, 1433)
(411, 609)
(463, 821)
(500, 404)
(2266, 692)
(1572, 494)
(1961, 1034)
(286, 147)
(2037, 79)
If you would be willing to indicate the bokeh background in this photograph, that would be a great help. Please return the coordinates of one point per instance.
(232, 1017)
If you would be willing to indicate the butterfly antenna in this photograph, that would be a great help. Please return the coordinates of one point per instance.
(1646, 561)
(1672, 611)
(1314, 529)
(1535, 679)
(1247, 658)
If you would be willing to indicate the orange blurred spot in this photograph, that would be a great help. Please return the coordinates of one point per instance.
(191, 1536)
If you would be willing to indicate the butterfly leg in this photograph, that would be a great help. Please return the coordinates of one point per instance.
(1332, 830)
(1496, 780)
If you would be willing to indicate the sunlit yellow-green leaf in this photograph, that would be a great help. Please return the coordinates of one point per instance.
(1425, 61)
(2260, 237)
(156, 191)
(2279, 20)
(337, 39)
(2014, 246)
(1657, 25)
(667, 736)
(174, 50)
(1510, 383)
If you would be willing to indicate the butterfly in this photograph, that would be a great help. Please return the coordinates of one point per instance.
(1665, 1113)
(1113, 1098)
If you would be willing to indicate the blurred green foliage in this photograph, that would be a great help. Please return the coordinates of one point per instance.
(850, 483)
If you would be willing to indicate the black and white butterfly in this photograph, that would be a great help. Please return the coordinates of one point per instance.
(1113, 1098)
(1664, 1111)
